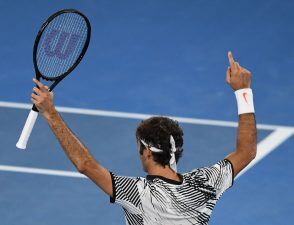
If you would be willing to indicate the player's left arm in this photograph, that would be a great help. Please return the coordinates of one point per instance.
(239, 79)
(72, 146)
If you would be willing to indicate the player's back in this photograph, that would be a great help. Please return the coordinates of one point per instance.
(158, 200)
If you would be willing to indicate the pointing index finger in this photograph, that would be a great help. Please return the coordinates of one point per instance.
(231, 59)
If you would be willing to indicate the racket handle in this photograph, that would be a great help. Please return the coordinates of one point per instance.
(27, 129)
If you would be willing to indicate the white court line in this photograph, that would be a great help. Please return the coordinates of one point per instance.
(271, 142)
(268, 144)
(31, 170)
(127, 115)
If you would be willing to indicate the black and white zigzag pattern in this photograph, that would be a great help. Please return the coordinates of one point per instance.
(157, 201)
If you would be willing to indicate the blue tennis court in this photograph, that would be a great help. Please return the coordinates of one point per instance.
(149, 58)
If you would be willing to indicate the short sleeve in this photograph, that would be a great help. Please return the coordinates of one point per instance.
(220, 176)
(126, 193)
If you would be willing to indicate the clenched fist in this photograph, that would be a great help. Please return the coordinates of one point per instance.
(43, 99)
(237, 76)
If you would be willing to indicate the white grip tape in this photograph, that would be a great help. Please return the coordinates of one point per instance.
(244, 101)
(26, 131)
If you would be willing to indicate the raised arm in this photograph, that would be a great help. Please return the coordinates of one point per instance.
(239, 79)
(74, 149)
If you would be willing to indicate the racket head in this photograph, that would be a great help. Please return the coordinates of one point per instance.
(61, 43)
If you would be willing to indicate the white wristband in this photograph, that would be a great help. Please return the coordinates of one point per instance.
(245, 100)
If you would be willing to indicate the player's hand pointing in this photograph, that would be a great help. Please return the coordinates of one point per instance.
(237, 77)
(43, 99)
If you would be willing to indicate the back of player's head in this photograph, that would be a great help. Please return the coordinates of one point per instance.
(156, 132)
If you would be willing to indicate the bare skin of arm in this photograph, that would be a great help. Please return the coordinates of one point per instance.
(72, 146)
(239, 78)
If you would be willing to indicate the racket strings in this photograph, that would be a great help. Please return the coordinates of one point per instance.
(49, 63)
(61, 44)
(56, 60)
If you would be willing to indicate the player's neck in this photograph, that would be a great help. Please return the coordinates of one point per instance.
(167, 172)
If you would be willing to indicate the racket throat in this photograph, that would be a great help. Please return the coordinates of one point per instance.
(34, 108)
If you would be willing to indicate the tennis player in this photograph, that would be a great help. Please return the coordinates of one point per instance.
(163, 197)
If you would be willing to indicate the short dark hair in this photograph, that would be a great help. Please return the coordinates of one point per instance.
(156, 132)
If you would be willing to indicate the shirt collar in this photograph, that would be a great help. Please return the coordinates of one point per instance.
(170, 181)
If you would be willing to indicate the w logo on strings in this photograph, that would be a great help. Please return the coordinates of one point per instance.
(55, 41)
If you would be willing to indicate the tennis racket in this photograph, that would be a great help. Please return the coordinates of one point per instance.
(59, 47)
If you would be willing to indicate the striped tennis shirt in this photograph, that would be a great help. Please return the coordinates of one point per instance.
(156, 200)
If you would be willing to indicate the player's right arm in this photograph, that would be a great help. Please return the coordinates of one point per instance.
(240, 78)
(72, 146)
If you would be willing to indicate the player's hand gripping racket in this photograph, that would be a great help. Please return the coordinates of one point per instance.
(59, 47)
